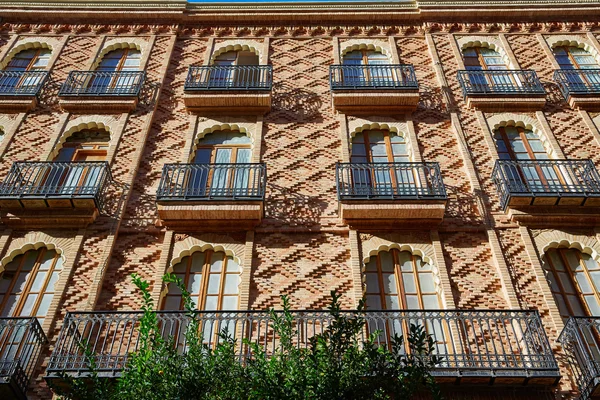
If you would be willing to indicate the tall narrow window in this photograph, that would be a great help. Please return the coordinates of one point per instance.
(361, 73)
(483, 58)
(229, 153)
(233, 68)
(28, 282)
(399, 280)
(211, 277)
(113, 71)
(516, 143)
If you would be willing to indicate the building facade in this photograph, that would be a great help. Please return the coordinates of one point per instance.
(424, 155)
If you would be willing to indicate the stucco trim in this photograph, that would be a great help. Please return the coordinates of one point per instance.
(550, 239)
(380, 46)
(109, 45)
(209, 241)
(239, 45)
(491, 42)
(400, 128)
(572, 40)
(208, 126)
(33, 42)
(35, 241)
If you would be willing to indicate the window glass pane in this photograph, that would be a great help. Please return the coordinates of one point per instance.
(232, 282)
(11, 305)
(5, 282)
(211, 303)
(426, 283)
(173, 288)
(20, 282)
(214, 282)
(52, 282)
(373, 302)
(412, 302)
(409, 283)
(556, 260)
(584, 285)
(562, 307)
(372, 265)
(230, 303)
(431, 302)
(194, 283)
(372, 283)
(38, 282)
(182, 265)
(593, 305)
(216, 261)
(44, 304)
(389, 280)
(29, 261)
(387, 261)
(392, 303)
(197, 261)
(232, 265)
(405, 261)
(575, 305)
(595, 275)
(28, 306)
(14, 264)
(566, 282)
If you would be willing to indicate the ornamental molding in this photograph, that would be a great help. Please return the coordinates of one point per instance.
(491, 42)
(209, 241)
(139, 43)
(380, 46)
(37, 240)
(32, 42)
(573, 40)
(238, 45)
(549, 239)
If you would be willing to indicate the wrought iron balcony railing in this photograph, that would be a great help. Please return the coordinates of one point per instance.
(484, 343)
(580, 339)
(391, 76)
(66, 180)
(21, 83)
(212, 182)
(98, 83)
(230, 77)
(21, 343)
(500, 82)
(578, 81)
(401, 180)
(545, 178)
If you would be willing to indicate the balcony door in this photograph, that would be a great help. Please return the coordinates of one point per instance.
(520, 144)
(120, 60)
(212, 278)
(24, 61)
(575, 58)
(71, 175)
(357, 72)
(399, 280)
(228, 76)
(373, 151)
(486, 59)
(222, 150)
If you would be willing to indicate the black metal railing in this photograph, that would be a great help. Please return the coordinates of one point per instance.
(21, 343)
(97, 83)
(578, 81)
(486, 343)
(500, 82)
(399, 76)
(401, 180)
(212, 181)
(230, 77)
(21, 83)
(580, 339)
(545, 178)
(27, 180)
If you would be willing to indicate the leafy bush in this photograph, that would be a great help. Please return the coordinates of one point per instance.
(336, 364)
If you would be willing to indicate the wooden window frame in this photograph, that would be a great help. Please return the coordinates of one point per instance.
(33, 60)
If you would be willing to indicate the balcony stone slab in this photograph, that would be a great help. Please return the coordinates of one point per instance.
(390, 214)
(98, 104)
(207, 215)
(375, 101)
(220, 102)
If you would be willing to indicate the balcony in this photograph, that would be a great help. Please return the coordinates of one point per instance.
(51, 194)
(492, 347)
(580, 340)
(239, 89)
(359, 89)
(21, 343)
(580, 87)
(541, 191)
(94, 91)
(385, 194)
(19, 90)
(502, 90)
(217, 195)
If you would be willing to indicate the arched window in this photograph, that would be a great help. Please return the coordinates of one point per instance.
(483, 58)
(361, 73)
(379, 146)
(242, 57)
(397, 280)
(29, 60)
(28, 284)
(233, 68)
(517, 143)
(365, 57)
(211, 277)
(572, 57)
(120, 60)
(225, 146)
(575, 282)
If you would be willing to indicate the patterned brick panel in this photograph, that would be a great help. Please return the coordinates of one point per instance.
(480, 151)
(306, 267)
(570, 130)
(437, 141)
(301, 141)
(475, 282)
(169, 128)
(134, 253)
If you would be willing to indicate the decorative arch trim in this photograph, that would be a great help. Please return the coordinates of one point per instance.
(596, 121)
(397, 127)
(210, 125)
(573, 40)
(106, 122)
(120, 43)
(30, 43)
(493, 43)
(207, 242)
(366, 44)
(552, 239)
(238, 45)
(523, 121)
(35, 241)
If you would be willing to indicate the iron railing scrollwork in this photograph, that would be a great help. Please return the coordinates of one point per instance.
(580, 339)
(400, 180)
(545, 178)
(27, 179)
(392, 76)
(578, 81)
(22, 341)
(500, 82)
(229, 77)
(486, 343)
(22, 83)
(101, 83)
(213, 181)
